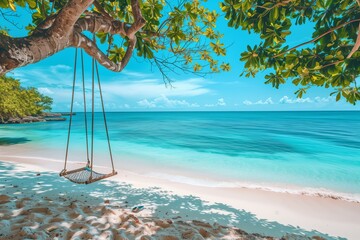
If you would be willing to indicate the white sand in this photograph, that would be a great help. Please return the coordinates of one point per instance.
(265, 212)
(37, 204)
(81, 217)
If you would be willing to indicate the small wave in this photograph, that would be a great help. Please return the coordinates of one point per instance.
(47, 160)
(317, 192)
(34, 158)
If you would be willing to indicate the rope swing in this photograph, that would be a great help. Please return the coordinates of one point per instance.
(86, 175)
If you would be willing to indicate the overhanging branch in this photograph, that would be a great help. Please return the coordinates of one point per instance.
(94, 23)
(97, 23)
(64, 29)
(317, 38)
(356, 46)
(139, 21)
(92, 49)
(68, 16)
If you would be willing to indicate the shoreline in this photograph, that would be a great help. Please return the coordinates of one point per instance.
(42, 117)
(327, 215)
(198, 179)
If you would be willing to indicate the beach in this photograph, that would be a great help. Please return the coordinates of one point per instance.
(237, 170)
(35, 185)
(169, 120)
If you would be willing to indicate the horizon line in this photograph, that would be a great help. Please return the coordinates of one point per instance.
(156, 111)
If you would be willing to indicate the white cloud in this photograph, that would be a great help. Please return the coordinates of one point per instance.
(45, 91)
(146, 103)
(260, 102)
(153, 88)
(287, 100)
(56, 81)
(165, 102)
(136, 74)
(220, 103)
(324, 99)
(267, 101)
(247, 102)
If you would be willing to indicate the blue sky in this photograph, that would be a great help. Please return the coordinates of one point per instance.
(141, 88)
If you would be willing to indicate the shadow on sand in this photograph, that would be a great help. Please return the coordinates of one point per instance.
(161, 204)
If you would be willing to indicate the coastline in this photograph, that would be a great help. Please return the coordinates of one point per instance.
(43, 117)
(335, 217)
(156, 171)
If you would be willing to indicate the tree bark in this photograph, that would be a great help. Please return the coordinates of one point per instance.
(356, 45)
(65, 30)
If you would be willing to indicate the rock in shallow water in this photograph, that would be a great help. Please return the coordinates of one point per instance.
(201, 224)
(188, 234)
(145, 237)
(4, 199)
(204, 233)
(169, 238)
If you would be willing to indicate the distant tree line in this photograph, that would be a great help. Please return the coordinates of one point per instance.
(17, 101)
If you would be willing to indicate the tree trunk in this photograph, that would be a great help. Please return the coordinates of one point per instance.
(65, 30)
(17, 52)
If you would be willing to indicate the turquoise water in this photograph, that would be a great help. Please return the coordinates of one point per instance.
(313, 150)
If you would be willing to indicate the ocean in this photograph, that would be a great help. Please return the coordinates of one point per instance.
(299, 152)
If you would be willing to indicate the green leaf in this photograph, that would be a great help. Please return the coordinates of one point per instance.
(12, 5)
(32, 3)
(329, 57)
(225, 67)
(274, 14)
(4, 4)
(197, 67)
(338, 96)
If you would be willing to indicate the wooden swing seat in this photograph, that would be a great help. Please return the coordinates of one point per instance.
(84, 175)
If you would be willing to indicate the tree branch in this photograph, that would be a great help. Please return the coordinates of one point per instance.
(356, 46)
(68, 16)
(317, 38)
(333, 63)
(47, 23)
(65, 29)
(96, 23)
(139, 21)
(6, 15)
(275, 5)
(92, 49)
(99, 24)
(102, 10)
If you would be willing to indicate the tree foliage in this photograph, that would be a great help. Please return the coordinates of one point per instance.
(177, 35)
(16, 101)
(329, 59)
(182, 35)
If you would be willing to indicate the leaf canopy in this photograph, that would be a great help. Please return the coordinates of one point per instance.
(182, 35)
(330, 58)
